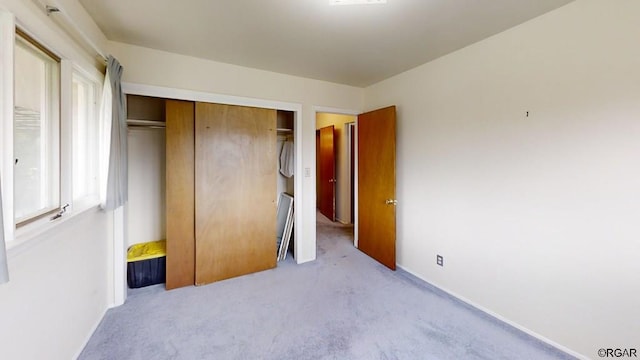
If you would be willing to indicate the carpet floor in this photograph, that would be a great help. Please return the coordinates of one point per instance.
(344, 305)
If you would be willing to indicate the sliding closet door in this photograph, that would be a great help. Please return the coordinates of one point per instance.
(235, 187)
(180, 218)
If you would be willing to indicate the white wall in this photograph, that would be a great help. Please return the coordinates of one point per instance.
(343, 171)
(536, 217)
(146, 206)
(59, 284)
(168, 70)
(57, 293)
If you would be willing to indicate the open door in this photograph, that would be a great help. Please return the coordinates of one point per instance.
(377, 185)
(327, 176)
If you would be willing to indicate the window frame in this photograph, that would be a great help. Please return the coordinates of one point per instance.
(54, 133)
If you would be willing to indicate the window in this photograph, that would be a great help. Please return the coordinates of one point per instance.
(85, 129)
(36, 131)
(50, 132)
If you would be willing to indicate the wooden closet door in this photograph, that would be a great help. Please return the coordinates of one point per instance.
(235, 177)
(180, 216)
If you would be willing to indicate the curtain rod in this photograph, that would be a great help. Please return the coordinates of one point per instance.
(68, 22)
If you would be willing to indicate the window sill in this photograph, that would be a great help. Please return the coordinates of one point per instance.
(31, 235)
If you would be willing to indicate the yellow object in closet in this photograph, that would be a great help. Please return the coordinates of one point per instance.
(148, 250)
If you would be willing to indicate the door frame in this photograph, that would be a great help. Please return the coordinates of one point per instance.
(355, 113)
(353, 149)
(120, 239)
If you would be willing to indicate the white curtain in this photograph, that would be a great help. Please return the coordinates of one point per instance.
(114, 153)
(4, 269)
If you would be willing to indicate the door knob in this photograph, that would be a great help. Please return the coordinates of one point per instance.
(332, 180)
(391, 202)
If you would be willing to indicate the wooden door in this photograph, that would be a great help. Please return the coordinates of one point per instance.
(180, 213)
(318, 169)
(235, 187)
(327, 176)
(377, 185)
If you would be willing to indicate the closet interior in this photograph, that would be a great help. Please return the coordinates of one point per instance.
(208, 179)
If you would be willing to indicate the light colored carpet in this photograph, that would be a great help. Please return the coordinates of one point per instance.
(341, 306)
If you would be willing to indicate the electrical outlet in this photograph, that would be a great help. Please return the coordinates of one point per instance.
(439, 260)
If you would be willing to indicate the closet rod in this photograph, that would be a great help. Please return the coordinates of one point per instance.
(146, 123)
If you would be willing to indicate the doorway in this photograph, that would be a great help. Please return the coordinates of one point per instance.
(335, 135)
(368, 160)
(334, 166)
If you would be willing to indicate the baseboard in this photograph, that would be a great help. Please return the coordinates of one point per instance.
(343, 222)
(498, 317)
(90, 334)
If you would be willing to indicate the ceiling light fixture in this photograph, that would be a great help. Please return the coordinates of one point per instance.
(356, 2)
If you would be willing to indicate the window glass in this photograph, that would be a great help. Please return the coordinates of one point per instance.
(85, 138)
(36, 132)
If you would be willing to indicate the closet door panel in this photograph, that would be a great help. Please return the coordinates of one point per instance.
(180, 182)
(235, 150)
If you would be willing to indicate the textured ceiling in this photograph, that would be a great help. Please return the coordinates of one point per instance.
(354, 45)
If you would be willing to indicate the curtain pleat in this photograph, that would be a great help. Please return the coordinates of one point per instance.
(116, 193)
(4, 268)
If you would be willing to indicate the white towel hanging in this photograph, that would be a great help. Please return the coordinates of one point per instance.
(287, 159)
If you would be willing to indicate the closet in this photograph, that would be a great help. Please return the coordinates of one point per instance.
(206, 177)
(284, 133)
(146, 158)
(221, 190)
